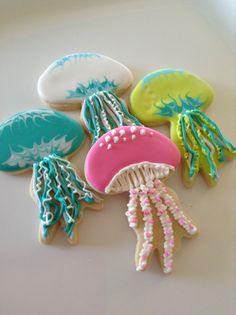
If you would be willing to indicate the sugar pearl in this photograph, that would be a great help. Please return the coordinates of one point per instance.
(107, 138)
(122, 132)
(142, 132)
(133, 129)
(101, 145)
(115, 139)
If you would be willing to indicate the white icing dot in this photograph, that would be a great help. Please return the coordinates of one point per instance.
(133, 129)
(124, 138)
(115, 139)
(107, 138)
(142, 132)
(109, 146)
(101, 145)
(133, 137)
(122, 132)
(151, 133)
(113, 132)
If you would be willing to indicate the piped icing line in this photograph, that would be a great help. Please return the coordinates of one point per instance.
(58, 191)
(166, 223)
(137, 174)
(104, 111)
(131, 212)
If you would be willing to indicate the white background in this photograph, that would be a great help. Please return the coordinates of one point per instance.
(98, 276)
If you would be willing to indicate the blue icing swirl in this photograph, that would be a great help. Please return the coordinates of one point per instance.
(93, 86)
(157, 74)
(173, 107)
(29, 136)
(60, 62)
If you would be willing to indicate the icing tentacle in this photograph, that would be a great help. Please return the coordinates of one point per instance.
(59, 192)
(104, 111)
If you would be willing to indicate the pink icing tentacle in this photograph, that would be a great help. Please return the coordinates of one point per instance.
(166, 224)
(148, 229)
(177, 213)
(131, 213)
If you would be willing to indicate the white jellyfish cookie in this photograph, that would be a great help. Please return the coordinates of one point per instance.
(93, 81)
(137, 160)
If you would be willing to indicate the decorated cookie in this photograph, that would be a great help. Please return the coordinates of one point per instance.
(93, 80)
(138, 160)
(39, 139)
(179, 98)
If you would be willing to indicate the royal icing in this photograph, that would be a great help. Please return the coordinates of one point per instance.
(71, 79)
(39, 139)
(137, 165)
(29, 136)
(104, 111)
(103, 162)
(179, 97)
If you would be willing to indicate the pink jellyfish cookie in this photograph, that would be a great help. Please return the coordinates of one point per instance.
(94, 81)
(138, 160)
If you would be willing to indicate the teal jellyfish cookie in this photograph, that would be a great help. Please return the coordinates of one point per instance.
(178, 97)
(41, 139)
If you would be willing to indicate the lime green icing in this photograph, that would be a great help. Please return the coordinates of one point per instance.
(179, 97)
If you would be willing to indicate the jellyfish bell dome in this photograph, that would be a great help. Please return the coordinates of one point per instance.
(128, 156)
(163, 94)
(72, 78)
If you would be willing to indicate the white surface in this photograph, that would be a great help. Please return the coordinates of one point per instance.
(98, 276)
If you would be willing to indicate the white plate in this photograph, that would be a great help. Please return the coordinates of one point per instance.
(98, 276)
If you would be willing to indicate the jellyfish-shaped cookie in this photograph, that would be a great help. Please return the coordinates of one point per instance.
(138, 160)
(39, 139)
(93, 80)
(179, 98)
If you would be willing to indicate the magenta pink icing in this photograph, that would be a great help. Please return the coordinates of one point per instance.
(118, 149)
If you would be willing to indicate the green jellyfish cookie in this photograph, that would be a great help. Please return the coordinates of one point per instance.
(179, 98)
(42, 139)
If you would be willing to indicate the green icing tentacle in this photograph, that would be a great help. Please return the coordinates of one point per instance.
(59, 192)
(209, 134)
(104, 111)
(197, 134)
(213, 127)
(184, 134)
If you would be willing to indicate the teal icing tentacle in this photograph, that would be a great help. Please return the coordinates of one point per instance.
(216, 129)
(104, 111)
(203, 146)
(188, 148)
(124, 110)
(59, 192)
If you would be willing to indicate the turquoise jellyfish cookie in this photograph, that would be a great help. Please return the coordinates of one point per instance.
(93, 80)
(179, 98)
(40, 139)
